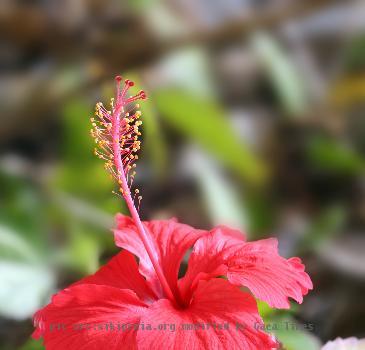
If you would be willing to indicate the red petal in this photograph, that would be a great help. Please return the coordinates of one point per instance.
(216, 303)
(95, 308)
(208, 258)
(121, 272)
(172, 240)
(256, 265)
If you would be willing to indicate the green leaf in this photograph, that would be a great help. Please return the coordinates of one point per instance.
(221, 198)
(293, 335)
(265, 310)
(32, 344)
(283, 74)
(77, 143)
(204, 122)
(14, 246)
(298, 340)
(83, 250)
(23, 211)
(332, 155)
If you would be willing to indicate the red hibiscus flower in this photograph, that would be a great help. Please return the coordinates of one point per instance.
(144, 305)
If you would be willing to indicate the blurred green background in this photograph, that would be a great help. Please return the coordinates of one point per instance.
(255, 119)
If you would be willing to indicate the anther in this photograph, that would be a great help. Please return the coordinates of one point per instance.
(129, 83)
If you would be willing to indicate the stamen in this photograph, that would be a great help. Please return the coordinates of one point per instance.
(116, 134)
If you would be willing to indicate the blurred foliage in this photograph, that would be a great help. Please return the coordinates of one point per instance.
(348, 91)
(21, 207)
(261, 212)
(83, 249)
(80, 173)
(333, 155)
(283, 74)
(24, 283)
(329, 223)
(292, 336)
(355, 54)
(25, 278)
(203, 121)
(32, 345)
(223, 203)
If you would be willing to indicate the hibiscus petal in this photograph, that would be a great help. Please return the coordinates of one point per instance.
(270, 277)
(220, 317)
(256, 265)
(208, 258)
(86, 317)
(172, 240)
(121, 272)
